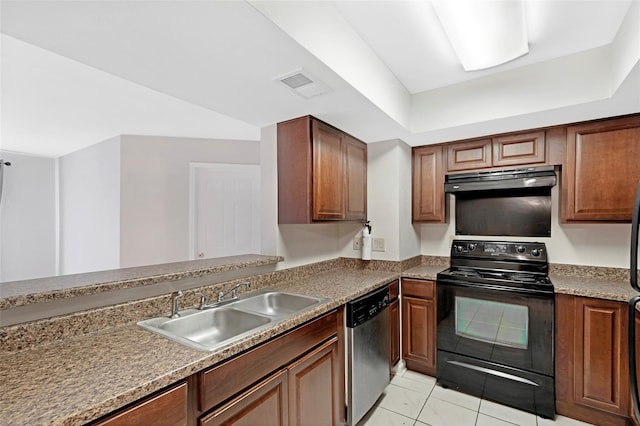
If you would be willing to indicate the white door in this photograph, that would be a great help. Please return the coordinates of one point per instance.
(225, 206)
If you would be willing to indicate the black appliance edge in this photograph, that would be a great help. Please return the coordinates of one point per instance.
(633, 273)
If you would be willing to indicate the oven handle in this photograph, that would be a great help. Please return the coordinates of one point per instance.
(530, 293)
(493, 372)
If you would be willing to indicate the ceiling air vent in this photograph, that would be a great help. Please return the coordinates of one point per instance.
(303, 84)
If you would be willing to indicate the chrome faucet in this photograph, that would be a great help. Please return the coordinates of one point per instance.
(233, 291)
(174, 303)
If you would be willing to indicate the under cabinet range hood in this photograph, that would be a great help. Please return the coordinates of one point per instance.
(512, 179)
(515, 203)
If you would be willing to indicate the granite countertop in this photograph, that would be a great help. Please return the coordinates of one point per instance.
(610, 289)
(78, 379)
(24, 292)
(424, 272)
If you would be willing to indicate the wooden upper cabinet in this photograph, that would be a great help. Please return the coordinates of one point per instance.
(328, 172)
(469, 155)
(356, 176)
(602, 170)
(322, 173)
(428, 184)
(519, 149)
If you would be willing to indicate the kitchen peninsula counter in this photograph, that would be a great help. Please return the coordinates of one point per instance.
(24, 292)
(81, 378)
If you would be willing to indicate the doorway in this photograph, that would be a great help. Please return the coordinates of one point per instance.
(225, 209)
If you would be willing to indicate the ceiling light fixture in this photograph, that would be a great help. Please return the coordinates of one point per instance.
(484, 33)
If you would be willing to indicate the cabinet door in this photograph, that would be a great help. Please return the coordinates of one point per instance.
(592, 378)
(314, 387)
(419, 334)
(394, 332)
(265, 404)
(328, 172)
(356, 175)
(469, 155)
(166, 408)
(602, 170)
(428, 184)
(601, 354)
(520, 149)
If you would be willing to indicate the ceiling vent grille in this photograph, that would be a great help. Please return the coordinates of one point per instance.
(303, 84)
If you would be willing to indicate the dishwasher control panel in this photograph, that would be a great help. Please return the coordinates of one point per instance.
(368, 306)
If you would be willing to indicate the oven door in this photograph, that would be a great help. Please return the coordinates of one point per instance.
(499, 325)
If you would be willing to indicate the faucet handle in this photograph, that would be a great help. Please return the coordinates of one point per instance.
(203, 299)
(174, 303)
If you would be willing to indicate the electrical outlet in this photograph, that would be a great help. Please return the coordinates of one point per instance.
(357, 243)
(377, 244)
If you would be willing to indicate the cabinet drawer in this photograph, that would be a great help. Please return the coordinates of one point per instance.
(166, 408)
(223, 381)
(418, 288)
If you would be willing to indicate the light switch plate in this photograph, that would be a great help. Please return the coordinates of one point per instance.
(377, 244)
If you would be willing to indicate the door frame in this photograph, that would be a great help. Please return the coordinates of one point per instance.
(193, 166)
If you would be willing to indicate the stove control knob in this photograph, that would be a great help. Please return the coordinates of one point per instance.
(459, 249)
(472, 247)
(536, 252)
(520, 249)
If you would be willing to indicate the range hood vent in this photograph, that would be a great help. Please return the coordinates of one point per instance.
(512, 179)
(303, 84)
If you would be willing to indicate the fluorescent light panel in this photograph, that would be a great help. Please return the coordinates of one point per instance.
(484, 33)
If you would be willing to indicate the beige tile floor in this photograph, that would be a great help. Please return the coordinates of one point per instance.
(413, 399)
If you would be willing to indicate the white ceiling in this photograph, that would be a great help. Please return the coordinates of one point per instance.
(78, 72)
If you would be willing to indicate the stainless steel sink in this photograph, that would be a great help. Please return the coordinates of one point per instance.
(276, 303)
(206, 329)
(211, 328)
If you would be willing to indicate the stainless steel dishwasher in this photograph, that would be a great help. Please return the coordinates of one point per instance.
(367, 330)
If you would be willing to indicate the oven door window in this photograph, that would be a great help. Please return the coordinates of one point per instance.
(497, 323)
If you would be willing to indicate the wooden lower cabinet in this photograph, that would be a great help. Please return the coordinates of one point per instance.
(394, 332)
(300, 374)
(394, 323)
(264, 404)
(168, 407)
(592, 375)
(314, 387)
(296, 378)
(305, 393)
(419, 325)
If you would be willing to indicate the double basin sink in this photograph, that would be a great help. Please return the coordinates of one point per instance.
(211, 328)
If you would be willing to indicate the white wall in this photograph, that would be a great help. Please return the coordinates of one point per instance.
(388, 203)
(28, 217)
(154, 220)
(583, 244)
(90, 208)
